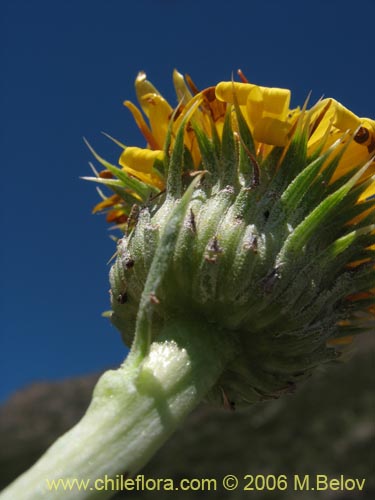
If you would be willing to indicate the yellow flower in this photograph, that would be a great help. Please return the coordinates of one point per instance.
(252, 214)
(332, 132)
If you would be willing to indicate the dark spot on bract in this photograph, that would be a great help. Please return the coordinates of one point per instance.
(192, 221)
(270, 280)
(122, 298)
(213, 245)
(129, 263)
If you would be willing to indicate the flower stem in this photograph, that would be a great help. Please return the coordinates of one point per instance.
(133, 411)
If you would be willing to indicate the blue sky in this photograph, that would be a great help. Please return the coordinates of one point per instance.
(66, 68)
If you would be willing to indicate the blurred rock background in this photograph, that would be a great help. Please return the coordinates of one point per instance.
(327, 427)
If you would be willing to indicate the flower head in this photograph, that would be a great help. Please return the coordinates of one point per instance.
(274, 241)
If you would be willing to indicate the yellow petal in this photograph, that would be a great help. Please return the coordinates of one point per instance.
(321, 117)
(262, 106)
(141, 160)
(227, 91)
(108, 202)
(151, 179)
(254, 106)
(182, 90)
(213, 111)
(143, 87)
(276, 102)
(138, 118)
(159, 113)
(272, 131)
(345, 119)
(354, 156)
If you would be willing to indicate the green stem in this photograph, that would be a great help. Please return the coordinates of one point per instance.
(133, 411)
